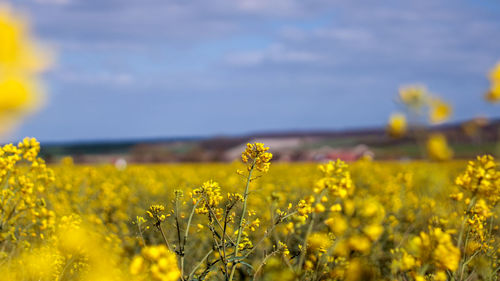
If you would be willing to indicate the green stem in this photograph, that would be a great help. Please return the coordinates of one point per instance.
(308, 233)
(304, 245)
(461, 233)
(257, 271)
(462, 227)
(199, 264)
(242, 217)
(158, 225)
(186, 234)
(181, 243)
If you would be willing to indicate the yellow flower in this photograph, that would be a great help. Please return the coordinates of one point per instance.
(482, 178)
(397, 125)
(156, 212)
(373, 231)
(336, 178)
(284, 248)
(414, 97)
(337, 224)
(20, 62)
(319, 208)
(319, 242)
(435, 248)
(359, 243)
(493, 95)
(440, 111)
(137, 265)
(158, 262)
(438, 149)
(18, 51)
(208, 197)
(440, 276)
(446, 254)
(256, 156)
(304, 208)
(336, 208)
(407, 261)
(495, 73)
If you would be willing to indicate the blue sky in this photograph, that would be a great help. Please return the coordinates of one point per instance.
(159, 68)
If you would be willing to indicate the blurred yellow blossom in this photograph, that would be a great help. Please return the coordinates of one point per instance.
(495, 73)
(319, 242)
(21, 61)
(414, 96)
(493, 95)
(397, 125)
(440, 111)
(156, 263)
(438, 149)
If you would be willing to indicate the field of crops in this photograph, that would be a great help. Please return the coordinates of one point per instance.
(252, 220)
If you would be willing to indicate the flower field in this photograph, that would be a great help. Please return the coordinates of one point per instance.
(248, 220)
(253, 219)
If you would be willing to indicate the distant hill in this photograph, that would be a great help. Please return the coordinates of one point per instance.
(467, 139)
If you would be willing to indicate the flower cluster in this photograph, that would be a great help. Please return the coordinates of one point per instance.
(357, 225)
(482, 179)
(477, 221)
(156, 213)
(417, 98)
(419, 103)
(157, 263)
(256, 155)
(429, 253)
(24, 211)
(336, 179)
(304, 208)
(208, 197)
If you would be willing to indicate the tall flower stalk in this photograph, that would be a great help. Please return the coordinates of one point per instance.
(256, 157)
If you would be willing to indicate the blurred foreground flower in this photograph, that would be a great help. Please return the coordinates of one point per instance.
(155, 263)
(21, 61)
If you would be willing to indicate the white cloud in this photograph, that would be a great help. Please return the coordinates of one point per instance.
(274, 54)
(100, 78)
(53, 2)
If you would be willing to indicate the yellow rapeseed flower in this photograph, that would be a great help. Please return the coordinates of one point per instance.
(157, 263)
(20, 62)
(495, 73)
(319, 242)
(397, 125)
(440, 111)
(493, 95)
(256, 156)
(414, 97)
(482, 178)
(438, 149)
